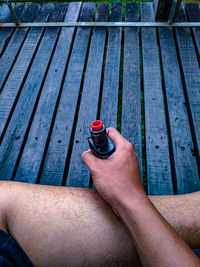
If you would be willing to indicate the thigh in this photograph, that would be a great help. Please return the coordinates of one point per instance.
(3, 205)
(59, 226)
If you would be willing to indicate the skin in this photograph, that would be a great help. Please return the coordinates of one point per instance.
(81, 225)
(62, 226)
(118, 181)
(59, 226)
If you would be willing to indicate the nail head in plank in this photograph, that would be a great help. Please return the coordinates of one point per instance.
(157, 151)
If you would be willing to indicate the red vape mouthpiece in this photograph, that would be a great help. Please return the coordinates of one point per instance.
(97, 125)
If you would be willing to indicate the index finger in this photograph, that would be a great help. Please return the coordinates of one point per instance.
(115, 136)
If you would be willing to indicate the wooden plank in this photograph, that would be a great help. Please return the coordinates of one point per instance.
(25, 13)
(54, 164)
(109, 102)
(157, 152)
(5, 34)
(162, 9)
(31, 158)
(5, 14)
(79, 174)
(20, 70)
(191, 78)
(131, 98)
(193, 12)
(185, 165)
(16, 131)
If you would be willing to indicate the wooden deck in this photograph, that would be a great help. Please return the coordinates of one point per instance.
(55, 81)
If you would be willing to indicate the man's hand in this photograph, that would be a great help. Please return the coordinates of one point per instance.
(118, 181)
(116, 178)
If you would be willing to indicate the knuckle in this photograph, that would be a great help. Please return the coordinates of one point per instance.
(129, 147)
(83, 155)
(111, 129)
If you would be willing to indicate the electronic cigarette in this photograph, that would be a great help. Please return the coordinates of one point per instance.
(101, 145)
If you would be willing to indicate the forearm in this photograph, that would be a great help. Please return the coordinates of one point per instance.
(118, 181)
(156, 242)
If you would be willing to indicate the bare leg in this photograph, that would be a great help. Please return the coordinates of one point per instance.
(183, 213)
(59, 226)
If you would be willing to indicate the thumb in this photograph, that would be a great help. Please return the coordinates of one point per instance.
(89, 159)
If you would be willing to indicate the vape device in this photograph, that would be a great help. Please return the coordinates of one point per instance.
(101, 145)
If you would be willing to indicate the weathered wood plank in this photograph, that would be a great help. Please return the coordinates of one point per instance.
(131, 98)
(54, 164)
(20, 69)
(191, 77)
(5, 14)
(78, 173)
(162, 9)
(17, 128)
(157, 151)
(185, 165)
(31, 158)
(109, 102)
(26, 13)
(193, 12)
(5, 34)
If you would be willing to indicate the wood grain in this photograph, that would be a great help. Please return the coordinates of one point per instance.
(78, 173)
(157, 151)
(131, 98)
(54, 164)
(16, 131)
(35, 145)
(185, 165)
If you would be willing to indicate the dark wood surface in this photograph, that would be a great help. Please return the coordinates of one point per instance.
(57, 159)
(162, 9)
(193, 13)
(157, 149)
(131, 97)
(189, 66)
(55, 81)
(88, 105)
(179, 127)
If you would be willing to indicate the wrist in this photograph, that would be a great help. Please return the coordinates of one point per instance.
(131, 203)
